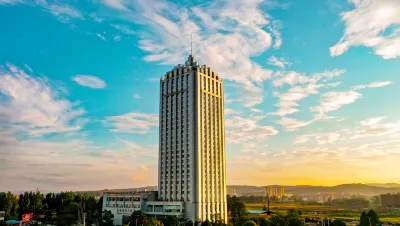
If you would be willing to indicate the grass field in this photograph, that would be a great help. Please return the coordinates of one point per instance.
(322, 211)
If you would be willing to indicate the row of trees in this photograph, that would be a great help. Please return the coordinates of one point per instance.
(62, 208)
(238, 216)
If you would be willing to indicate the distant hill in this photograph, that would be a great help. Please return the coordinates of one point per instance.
(387, 185)
(361, 189)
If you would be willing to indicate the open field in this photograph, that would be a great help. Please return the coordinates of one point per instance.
(322, 211)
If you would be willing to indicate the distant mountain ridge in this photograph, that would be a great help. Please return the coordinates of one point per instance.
(362, 189)
(386, 185)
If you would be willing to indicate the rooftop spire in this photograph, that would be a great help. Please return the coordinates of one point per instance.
(191, 45)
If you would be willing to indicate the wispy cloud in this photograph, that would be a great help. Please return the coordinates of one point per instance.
(136, 96)
(132, 122)
(365, 26)
(124, 29)
(33, 106)
(117, 4)
(63, 11)
(278, 62)
(320, 138)
(222, 38)
(101, 36)
(239, 129)
(90, 81)
(372, 85)
(302, 86)
(332, 101)
(117, 38)
(374, 127)
(371, 121)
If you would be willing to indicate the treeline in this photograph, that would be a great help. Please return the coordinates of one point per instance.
(61, 209)
(356, 201)
(254, 199)
(238, 216)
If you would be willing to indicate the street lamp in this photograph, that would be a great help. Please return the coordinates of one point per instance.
(136, 220)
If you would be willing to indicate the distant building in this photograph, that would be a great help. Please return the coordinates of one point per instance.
(391, 200)
(277, 191)
(319, 197)
(123, 204)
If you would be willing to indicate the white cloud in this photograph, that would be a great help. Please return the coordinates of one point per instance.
(132, 122)
(334, 84)
(239, 129)
(287, 101)
(63, 11)
(222, 38)
(31, 105)
(333, 101)
(117, 38)
(378, 130)
(256, 110)
(320, 138)
(328, 74)
(278, 62)
(124, 29)
(136, 96)
(116, 4)
(366, 25)
(291, 124)
(371, 121)
(290, 78)
(89, 81)
(10, 2)
(303, 86)
(230, 111)
(96, 18)
(372, 85)
(101, 36)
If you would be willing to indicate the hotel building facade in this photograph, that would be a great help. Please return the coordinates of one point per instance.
(191, 166)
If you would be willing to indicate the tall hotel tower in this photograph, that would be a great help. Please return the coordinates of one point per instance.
(191, 164)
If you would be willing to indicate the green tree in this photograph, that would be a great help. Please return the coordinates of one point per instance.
(107, 218)
(370, 218)
(338, 223)
(171, 221)
(206, 223)
(189, 223)
(9, 204)
(293, 218)
(262, 221)
(152, 222)
(68, 215)
(249, 223)
(138, 216)
(236, 210)
(277, 220)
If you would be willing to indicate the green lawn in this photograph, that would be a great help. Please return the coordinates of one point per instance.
(322, 211)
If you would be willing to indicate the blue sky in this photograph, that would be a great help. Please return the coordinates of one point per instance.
(310, 89)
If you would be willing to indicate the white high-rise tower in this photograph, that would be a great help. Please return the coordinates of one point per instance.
(192, 165)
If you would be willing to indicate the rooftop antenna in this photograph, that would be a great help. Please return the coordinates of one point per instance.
(191, 45)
